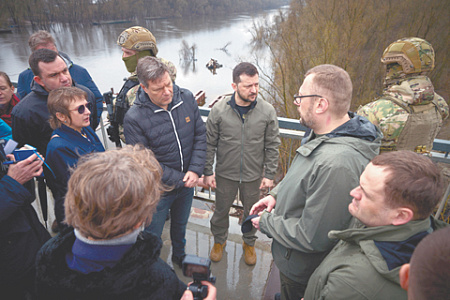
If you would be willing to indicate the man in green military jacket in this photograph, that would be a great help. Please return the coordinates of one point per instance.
(393, 202)
(313, 197)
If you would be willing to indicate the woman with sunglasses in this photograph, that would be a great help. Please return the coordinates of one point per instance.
(72, 137)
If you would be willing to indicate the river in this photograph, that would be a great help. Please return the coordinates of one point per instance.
(95, 48)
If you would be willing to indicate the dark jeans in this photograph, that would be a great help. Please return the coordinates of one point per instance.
(179, 201)
(290, 289)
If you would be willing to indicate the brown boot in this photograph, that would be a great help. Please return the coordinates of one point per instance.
(217, 252)
(249, 254)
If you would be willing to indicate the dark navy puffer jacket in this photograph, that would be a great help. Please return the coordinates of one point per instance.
(140, 274)
(177, 136)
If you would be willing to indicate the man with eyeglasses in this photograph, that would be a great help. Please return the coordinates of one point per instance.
(313, 197)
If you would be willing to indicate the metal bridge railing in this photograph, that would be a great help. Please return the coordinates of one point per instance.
(292, 130)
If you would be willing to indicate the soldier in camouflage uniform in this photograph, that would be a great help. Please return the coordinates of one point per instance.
(136, 42)
(409, 113)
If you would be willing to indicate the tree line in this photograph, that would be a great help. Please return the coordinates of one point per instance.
(39, 12)
(351, 34)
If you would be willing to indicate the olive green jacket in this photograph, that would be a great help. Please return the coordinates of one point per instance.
(242, 149)
(313, 197)
(355, 268)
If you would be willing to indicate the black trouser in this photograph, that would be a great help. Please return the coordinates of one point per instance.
(290, 289)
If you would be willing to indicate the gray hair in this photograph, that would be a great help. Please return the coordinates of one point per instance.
(150, 69)
(40, 37)
(333, 83)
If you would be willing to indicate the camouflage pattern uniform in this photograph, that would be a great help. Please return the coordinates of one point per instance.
(409, 113)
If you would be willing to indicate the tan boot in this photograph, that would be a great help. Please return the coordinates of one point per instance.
(217, 252)
(249, 254)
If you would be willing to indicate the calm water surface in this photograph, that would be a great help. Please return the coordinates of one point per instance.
(95, 48)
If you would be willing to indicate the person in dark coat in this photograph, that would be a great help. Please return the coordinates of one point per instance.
(21, 233)
(30, 116)
(111, 196)
(166, 119)
(72, 137)
(43, 39)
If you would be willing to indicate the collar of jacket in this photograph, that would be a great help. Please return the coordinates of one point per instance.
(142, 99)
(232, 102)
(357, 127)
(388, 233)
(365, 237)
(66, 59)
(147, 249)
(38, 89)
(74, 137)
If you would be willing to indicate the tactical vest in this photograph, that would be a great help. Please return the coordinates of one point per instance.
(420, 129)
(121, 105)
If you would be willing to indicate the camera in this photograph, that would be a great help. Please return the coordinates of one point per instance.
(198, 268)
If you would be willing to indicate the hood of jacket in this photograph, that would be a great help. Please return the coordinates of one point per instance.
(412, 90)
(367, 142)
(366, 237)
(142, 99)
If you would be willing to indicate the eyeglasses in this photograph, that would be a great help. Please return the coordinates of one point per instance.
(81, 109)
(298, 98)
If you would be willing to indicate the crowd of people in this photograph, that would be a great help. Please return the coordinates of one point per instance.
(346, 221)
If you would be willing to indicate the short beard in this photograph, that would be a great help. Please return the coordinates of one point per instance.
(308, 123)
(242, 98)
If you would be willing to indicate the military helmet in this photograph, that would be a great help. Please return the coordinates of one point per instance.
(414, 55)
(139, 39)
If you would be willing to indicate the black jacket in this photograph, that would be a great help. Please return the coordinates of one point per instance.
(140, 274)
(30, 118)
(177, 136)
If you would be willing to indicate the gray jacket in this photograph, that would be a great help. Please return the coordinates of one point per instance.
(356, 269)
(313, 197)
(243, 149)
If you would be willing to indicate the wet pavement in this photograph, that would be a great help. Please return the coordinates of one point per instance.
(234, 278)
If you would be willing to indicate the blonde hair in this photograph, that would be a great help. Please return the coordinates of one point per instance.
(109, 193)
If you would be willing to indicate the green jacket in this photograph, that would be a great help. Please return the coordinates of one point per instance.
(313, 197)
(355, 268)
(242, 149)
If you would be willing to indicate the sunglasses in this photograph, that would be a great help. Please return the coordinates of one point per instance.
(82, 108)
(298, 98)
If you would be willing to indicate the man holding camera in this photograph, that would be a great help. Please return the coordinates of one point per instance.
(106, 254)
